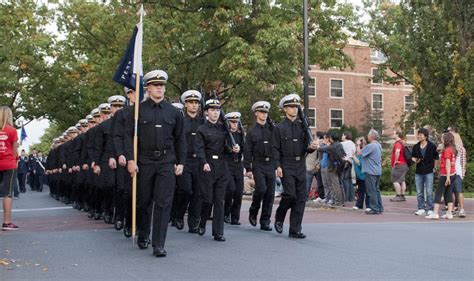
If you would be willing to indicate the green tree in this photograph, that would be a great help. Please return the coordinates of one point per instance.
(429, 44)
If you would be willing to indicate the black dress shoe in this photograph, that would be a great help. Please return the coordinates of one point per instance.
(142, 242)
(173, 222)
(279, 226)
(300, 235)
(118, 225)
(127, 232)
(179, 224)
(253, 220)
(266, 228)
(107, 218)
(193, 230)
(201, 231)
(90, 214)
(372, 212)
(159, 252)
(219, 238)
(97, 216)
(235, 223)
(226, 219)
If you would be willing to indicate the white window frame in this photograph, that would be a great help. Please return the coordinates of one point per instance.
(405, 103)
(414, 129)
(312, 90)
(373, 108)
(372, 77)
(330, 117)
(330, 87)
(309, 118)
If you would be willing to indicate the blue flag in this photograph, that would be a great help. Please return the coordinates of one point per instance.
(125, 73)
(23, 135)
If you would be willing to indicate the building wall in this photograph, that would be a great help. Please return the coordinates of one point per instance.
(357, 88)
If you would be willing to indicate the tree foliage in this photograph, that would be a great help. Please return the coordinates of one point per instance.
(429, 44)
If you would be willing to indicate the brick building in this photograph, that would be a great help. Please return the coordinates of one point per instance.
(339, 97)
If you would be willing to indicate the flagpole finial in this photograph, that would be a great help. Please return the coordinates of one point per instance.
(141, 13)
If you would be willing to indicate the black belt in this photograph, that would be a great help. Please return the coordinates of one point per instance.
(154, 153)
(192, 156)
(294, 158)
(263, 159)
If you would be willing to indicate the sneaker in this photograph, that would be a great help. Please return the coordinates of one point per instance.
(318, 200)
(430, 212)
(9, 226)
(448, 216)
(462, 213)
(433, 216)
(16, 197)
(420, 212)
(397, 198)
(355, 208)
(368, 209)
(402, 198)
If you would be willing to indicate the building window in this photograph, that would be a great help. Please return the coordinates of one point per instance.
(409, 128)
(312, 86)
(312, 117)
(409, 103)
(377, 102)
(336, 118)
(376, 79)
(336, 88)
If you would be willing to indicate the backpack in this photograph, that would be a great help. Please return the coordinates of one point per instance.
(407, 155)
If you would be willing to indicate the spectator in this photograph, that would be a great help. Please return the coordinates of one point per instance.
(360, 177)
(311, 171)
(346, 178)
(425, 156)
(319, 178)
(447, 172)
(334, 170)
(372, 167)
(460, 172)
(8, 163)
(399, 167)
(22, 171)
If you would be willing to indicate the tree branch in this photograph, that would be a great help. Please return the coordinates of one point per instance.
(203, 54)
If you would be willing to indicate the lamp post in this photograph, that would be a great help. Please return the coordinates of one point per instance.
(305, 46)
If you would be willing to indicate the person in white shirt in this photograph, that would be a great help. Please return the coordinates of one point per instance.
(346, 177)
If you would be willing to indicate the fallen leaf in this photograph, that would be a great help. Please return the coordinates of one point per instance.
(10, 268)
(45, 269)
(27, 263)
(75, 264)
(37, 264)
(13, 261)
(35, 242)
(4, 262)
(7, 251)
(18, 265)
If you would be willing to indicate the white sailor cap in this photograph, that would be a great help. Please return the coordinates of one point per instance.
(178, 105)
(78, 125)
(62, 139)
(89, 118)
(95, 112)
(71, 130)
(104, 108)
(291, 99)
(127, 90)
(116, 100)
(233, 116)
(156, 77)
(83, 122)
(191, 95)
(212, 103)
(261, 106)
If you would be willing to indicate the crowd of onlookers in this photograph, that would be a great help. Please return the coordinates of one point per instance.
(347, 171)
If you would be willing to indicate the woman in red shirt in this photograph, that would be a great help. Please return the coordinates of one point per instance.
(8, 163)
(447, 173)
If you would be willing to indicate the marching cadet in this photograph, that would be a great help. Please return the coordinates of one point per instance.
(187, 192)
(291, 144)
(235, 187)
(103, 153)
(78, 191)
(85, 171)
(161, 155)
(66, 162)
(94, 202)
(260, 165)
(211, 147)
(52, 168)
(123, 122)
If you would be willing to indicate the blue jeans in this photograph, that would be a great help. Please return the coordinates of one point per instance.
(362, 195)
(424, 183)
(372, 185)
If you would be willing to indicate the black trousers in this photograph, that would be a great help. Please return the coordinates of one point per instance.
(21, 181)
(123, 203)
(155, 183)
(294, 194)
(235, 190)
(264, 193)
(319, 179)
(213, 186)
(188, 194)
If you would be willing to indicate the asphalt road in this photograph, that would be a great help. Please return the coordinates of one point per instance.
(57, 242)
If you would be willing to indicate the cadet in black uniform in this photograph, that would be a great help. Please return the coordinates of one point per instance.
(235, 186)
(123, 126)
(93, 180)
(260, 165)
(161, 155)
(291, 144)
(187, 192)
(211, 148)
(78, 192)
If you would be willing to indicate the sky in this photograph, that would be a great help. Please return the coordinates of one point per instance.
(35, 129)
